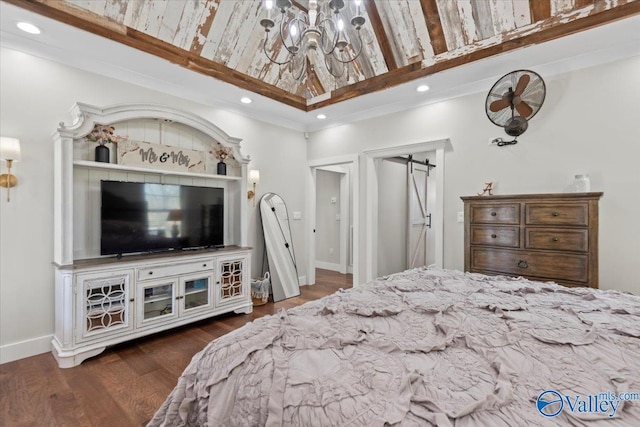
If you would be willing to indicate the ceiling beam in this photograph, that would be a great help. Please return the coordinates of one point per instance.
(511, 41)
(540, 10)
(434, 25)
(579, 4)
(68, 14)
(299, 6)
(381, 35)
(312, 78)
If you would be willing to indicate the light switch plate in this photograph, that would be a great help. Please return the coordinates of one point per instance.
(297, 215)
(460, 216)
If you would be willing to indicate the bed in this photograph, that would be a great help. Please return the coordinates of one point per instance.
(424, 347)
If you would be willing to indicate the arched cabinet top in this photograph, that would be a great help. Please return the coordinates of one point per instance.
(86, 116)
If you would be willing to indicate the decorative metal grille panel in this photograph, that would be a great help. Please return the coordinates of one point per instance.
(230, 279)
(106, 302)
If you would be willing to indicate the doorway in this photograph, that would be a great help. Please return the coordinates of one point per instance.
(334, 229)
(346, 217)
(373, 162)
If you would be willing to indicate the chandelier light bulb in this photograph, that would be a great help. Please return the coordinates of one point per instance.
(312, 35)
(357, 2)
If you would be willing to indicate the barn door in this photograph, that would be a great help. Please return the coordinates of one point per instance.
(419, 218)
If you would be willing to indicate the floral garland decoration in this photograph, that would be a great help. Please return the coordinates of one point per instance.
(221, 152)
(103, 134)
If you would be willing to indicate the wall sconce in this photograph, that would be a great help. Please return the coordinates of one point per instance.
(9, 151)
(254, 178)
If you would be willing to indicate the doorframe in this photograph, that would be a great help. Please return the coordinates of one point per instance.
(372, 168)
(354, 161)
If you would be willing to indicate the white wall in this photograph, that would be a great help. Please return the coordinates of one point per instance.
(36, 95)
(327, 227)
(588, 124)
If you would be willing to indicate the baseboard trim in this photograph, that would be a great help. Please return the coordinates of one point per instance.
(24, 349)
(328, 266)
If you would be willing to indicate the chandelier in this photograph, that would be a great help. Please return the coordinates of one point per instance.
(309, 36)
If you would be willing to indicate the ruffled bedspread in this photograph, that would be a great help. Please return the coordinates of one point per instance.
(423, 347)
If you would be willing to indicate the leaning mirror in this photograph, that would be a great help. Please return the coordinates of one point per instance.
(279, 247)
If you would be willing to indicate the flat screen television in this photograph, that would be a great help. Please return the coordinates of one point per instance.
(148, 217)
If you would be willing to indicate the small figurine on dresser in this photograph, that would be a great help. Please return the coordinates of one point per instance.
(487, 190)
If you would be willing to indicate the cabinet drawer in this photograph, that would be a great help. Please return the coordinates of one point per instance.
(159, 271)
(557, 214)
(543, 265)
(503, 213)
(561, 239)
(496, 236)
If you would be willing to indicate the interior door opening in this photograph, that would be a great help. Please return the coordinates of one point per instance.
(333, 211)
(374, 179)
(406, 198)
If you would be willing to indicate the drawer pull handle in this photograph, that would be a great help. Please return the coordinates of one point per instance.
(523, 264)
(151, 272)
(493, 236)
(131, 300)
(204, 265)
(493, 214)
(555, 239)
(556, 214)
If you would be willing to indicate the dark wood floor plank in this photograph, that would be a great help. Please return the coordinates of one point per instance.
(136, 401)
(98, 400)
(126, 384)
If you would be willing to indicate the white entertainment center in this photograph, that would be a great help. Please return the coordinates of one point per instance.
(105, 300)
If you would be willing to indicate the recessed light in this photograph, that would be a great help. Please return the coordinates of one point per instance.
(246, 100)
(28, 28)
(422, 88)
(321, 116)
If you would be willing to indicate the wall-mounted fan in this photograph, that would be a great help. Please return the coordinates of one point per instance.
(513, 101)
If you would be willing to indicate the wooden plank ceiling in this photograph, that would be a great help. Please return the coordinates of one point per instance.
(403, 39)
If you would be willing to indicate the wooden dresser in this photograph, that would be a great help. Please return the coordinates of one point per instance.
(547, 237)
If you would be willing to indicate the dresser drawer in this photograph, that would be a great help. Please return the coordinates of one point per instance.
(557, 214)
(495, 236)
(148, 273)
(561, 239)
(535, 264)
(502, 213)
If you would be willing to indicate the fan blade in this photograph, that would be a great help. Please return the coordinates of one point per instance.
(523, 109)
(522, 84)
(499, 104)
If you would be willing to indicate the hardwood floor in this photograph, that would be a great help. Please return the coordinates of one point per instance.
(126, 384)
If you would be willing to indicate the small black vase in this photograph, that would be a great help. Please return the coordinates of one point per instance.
(222, 168)
(102, 154)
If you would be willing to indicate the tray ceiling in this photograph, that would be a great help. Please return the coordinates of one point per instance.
(404, 39)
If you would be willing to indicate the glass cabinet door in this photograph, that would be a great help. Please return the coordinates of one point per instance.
(104, 305)
(196, 294)
(231, 282)
(158, 301)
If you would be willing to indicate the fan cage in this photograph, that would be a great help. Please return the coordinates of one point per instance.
(533, 94)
